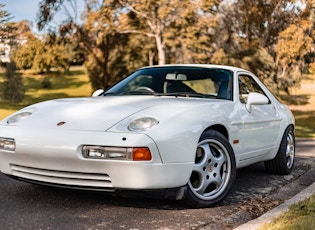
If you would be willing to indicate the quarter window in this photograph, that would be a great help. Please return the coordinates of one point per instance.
(248, 85)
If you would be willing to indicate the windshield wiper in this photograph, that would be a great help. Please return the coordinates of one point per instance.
(109, 94)
(137, 92)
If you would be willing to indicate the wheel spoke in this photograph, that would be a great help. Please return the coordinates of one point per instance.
(207, 155)
(219, 160)
(203, 186)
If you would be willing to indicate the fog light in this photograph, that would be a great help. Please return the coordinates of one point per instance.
(116, 153)
(7, 144)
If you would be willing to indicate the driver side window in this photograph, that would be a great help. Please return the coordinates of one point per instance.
(247, 85)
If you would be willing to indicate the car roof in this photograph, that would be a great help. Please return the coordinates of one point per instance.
(210, 66)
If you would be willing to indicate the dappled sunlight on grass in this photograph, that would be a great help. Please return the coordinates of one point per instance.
(302, 105)
(305, 123)
(295, 99)
(74, 84)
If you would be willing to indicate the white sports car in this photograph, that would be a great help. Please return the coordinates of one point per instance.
(180, 131)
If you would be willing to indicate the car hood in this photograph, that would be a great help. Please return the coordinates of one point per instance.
(102, 113)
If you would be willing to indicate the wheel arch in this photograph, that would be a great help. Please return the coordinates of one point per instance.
(281, 133)
(220, 128)
(286, 128)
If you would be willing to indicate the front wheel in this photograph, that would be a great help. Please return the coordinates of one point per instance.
(214, 171)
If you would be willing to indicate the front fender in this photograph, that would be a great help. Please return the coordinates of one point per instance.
(177, 138)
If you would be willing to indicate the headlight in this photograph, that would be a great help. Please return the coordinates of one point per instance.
(143, 124)
(116, 153)
(18, 117)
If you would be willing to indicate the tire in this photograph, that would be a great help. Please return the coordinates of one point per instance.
(214, 171)
(283, 163)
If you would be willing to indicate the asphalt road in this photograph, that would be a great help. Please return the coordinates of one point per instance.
(26, 206)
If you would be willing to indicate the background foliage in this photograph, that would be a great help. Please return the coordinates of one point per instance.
(275, 39)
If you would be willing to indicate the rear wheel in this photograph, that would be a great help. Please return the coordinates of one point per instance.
(214, 171)
(283, 162)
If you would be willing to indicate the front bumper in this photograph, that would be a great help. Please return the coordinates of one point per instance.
(178, 193)
(55, 157)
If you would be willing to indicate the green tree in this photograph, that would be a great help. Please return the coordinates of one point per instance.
(44, 55)
(175, 25)
(13, 90)
(97, 36)
(121, 35)
(103, 46)
(24, 55)
(309, 58)
(5, 16)
(293, 44)
(11, 33)
(251, 34)
(137, 32)
(13, 85)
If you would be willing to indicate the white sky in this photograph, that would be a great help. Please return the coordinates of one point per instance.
(27, 9)
(21, 9)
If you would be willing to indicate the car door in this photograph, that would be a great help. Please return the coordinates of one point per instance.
(260, 125)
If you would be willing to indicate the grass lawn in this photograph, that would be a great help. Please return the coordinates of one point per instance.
(302, 104)
(74, 84)
(305, 123)
(299, 216)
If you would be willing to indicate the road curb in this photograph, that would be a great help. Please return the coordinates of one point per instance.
(276, 212)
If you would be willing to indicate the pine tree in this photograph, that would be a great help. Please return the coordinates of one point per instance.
(13, 85)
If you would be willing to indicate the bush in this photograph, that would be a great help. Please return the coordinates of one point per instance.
(46, 83)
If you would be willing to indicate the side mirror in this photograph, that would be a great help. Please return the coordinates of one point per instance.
(255, 99)
(97, 93)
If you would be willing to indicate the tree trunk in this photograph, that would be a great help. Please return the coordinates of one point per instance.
(161, 49)
(151, 57)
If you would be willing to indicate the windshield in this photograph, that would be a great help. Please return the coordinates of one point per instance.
(177, 81)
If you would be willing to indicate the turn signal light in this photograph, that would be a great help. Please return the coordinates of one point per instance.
(141, 154)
